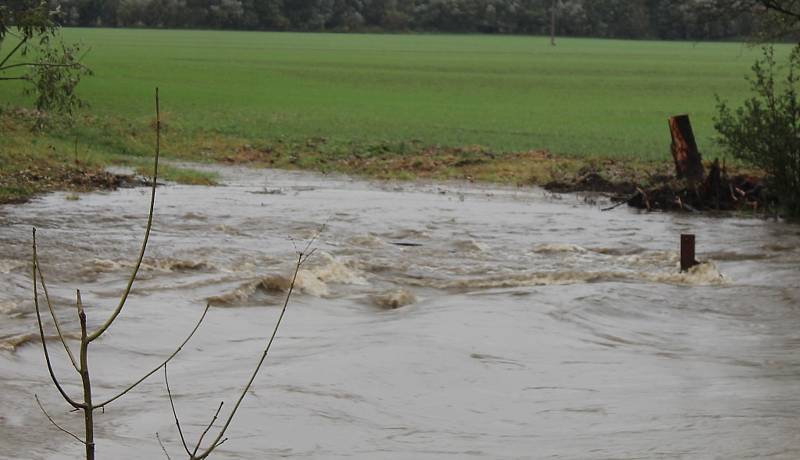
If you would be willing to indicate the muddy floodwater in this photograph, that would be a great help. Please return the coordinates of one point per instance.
(446, 321)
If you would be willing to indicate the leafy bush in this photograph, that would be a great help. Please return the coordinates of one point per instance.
(53, 77)
(765, 131)
(50, 68)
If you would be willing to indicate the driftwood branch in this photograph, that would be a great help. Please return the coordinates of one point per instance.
(60, 389)
(135, 271)
(621, 202)
(163, 364)
(54, 422)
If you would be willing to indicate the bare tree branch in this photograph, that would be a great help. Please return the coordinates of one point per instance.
(214, 419)
(175, 413)
(301, 258)
(220, 443)
(37, 64)
(782, 7)
(13, 51)
(163, 364)
(54, 422)
(41, 334)
(127, 291)
(53, 315)
(310, 242)
(164, 449)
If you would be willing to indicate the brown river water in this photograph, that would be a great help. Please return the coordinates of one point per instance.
(507, 324)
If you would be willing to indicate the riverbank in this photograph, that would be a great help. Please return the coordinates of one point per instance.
(56, 158)
(76, 157)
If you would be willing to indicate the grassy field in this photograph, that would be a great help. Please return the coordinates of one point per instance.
(393, 93)
(507, 93)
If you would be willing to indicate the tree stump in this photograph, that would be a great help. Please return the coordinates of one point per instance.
(688, 163)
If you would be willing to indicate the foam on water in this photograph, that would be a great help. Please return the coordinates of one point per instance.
(556, 248)
(12, 343)
(9, 307)
(9, 265)
(97, 266)
(366, 241)
(704, 274)
(470, 246)
(307, 282)
(314, 279)
(393, 298)
(329, 269)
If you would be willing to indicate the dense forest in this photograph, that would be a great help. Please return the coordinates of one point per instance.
(661, 19)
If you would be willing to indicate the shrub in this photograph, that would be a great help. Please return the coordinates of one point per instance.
(50, 69)
(765, 131)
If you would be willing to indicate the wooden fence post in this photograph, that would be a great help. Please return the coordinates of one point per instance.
(687, 252)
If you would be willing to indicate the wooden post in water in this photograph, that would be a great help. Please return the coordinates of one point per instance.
(688, 164)
(687, 252)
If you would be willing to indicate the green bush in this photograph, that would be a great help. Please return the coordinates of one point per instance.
(50, 68)
(765, 131)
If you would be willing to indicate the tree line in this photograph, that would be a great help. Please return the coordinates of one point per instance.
(656, 19)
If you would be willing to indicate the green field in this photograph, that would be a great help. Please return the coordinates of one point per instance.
(507, 93)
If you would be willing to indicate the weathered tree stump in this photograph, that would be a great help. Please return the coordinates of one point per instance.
(688, 163)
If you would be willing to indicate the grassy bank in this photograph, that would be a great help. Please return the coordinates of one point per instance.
(32, 163)
(389, 105)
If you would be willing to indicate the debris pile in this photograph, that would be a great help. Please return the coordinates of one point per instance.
(691, 189)
(717, 192)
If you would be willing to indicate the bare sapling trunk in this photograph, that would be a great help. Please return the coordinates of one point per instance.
(88, 405)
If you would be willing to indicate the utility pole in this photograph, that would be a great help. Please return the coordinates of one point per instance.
(553, 9)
